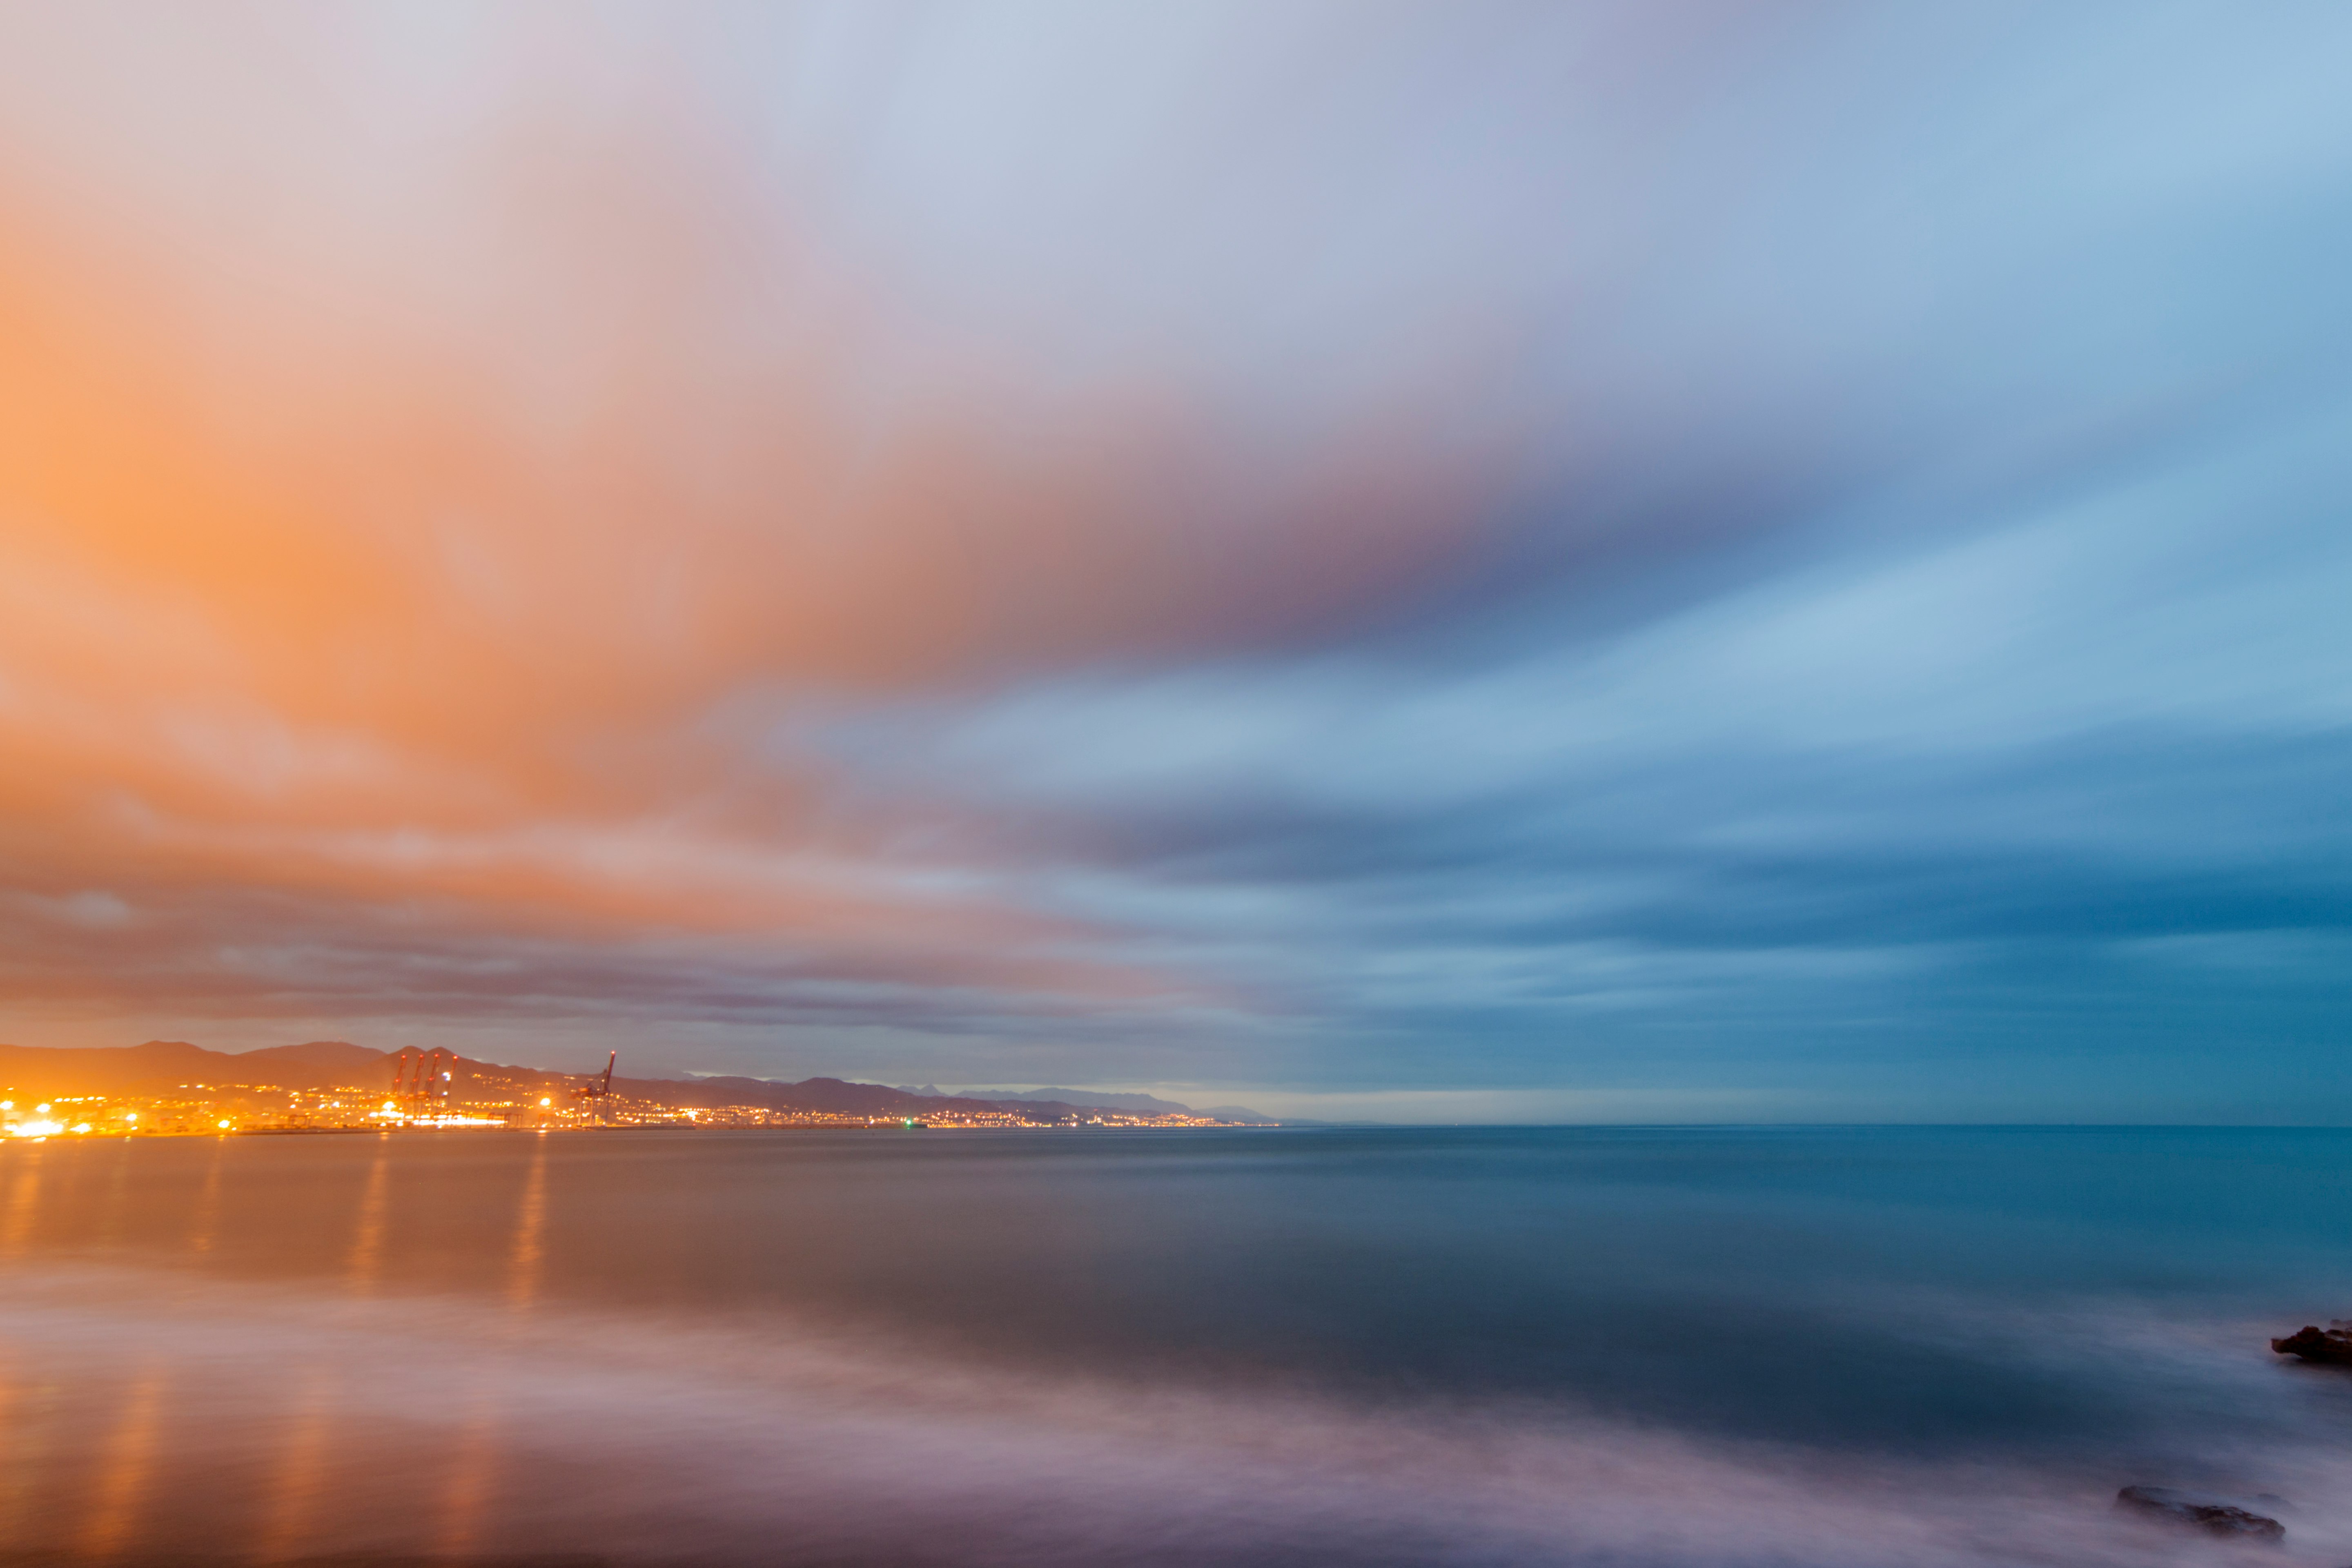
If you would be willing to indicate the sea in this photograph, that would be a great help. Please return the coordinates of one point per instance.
(1626, 1346)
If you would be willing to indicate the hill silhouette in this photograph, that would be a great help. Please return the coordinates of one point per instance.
(162, 1067)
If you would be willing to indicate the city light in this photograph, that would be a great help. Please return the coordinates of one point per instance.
(217, 1110)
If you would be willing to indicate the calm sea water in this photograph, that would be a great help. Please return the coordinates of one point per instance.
(1475, 1346)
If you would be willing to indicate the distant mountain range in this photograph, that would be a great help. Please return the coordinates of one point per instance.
(1106, 1099)
(159, 1066)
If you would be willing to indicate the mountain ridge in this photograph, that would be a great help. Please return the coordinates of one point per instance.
(1121, 1099)
(160, 1066)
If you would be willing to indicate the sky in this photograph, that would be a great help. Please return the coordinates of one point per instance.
(1579, 561)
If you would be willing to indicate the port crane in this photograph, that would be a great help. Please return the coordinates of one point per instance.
(597, 1089)
(421, 1079)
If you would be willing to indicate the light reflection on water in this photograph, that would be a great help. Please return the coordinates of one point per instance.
(1409, 1347)
(367, 1239)
(295, 1497)
(126, 1465)
(207, 1220)
(530, 1238)
(24, 1201)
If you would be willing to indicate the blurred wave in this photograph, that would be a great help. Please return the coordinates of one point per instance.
(159, 1416)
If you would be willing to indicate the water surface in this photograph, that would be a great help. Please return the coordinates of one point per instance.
(1668, 1346)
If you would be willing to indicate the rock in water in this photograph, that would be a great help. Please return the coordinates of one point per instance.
(2312, 1342)
(2198, 1511)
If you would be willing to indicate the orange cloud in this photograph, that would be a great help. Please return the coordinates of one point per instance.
(339, 589)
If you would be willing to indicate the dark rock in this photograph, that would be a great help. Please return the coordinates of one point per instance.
(2332, 1344)
(2199, 1510)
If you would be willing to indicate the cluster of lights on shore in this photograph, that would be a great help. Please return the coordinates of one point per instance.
(43, 1124)
(45, 1121)
(347, 1109)
(392, 1116)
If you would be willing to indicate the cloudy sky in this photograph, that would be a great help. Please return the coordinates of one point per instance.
(1471, 561)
